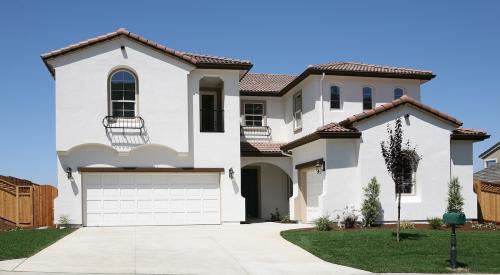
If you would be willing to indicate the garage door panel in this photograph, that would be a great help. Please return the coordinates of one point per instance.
(149, 199)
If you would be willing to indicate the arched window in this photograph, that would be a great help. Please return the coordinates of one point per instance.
(398, 92)
(409, 173)
(123, 94)
(334, 97)
(367, 98)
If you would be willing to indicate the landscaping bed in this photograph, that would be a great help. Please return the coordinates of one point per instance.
(22, 243)
(420, 250)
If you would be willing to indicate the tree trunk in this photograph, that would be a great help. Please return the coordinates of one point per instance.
(399, 215)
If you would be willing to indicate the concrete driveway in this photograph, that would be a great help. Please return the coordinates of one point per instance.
(226, 249)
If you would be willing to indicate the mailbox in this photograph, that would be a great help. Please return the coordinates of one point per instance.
(454, 218)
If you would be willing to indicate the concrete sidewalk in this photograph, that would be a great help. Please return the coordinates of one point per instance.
(225, 249)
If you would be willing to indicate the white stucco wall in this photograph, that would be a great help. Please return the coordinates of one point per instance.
(273, 190)
(169, 103)
(275, 115)
(432, 138)
(351, 99)
(302, 154)
(462, 167)
(82, 96)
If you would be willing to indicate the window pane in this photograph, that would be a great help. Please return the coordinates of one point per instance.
(117, 113)
(116, 95)
(118, 76)
(367, 98)
(129, 86)
(128, 77)
(116, 86)
(117, 105)
(398, 92)
(334, 97)
(258, 109)
(249, 109)
(128, 113)
(128, 106)
(297, 104)
(129, 95)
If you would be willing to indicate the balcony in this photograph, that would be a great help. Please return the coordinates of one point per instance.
(123, 123)
(212, 120)
(255, 132)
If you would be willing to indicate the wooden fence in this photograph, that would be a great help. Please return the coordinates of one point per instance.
(488, 198)
(27, 205)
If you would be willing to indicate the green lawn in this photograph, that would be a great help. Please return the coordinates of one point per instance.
(425, 251)
(25, 243)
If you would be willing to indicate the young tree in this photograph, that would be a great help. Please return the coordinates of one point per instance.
(370, 208)
(395, 161)
(455, 199)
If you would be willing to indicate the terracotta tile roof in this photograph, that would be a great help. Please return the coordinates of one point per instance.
(469, 134)
(490, 150)
(399, 102)
(199, 60)
(331, 130)
(359, 69)
(261, 149)
(490, 174)
(354, 67)
(264, 84)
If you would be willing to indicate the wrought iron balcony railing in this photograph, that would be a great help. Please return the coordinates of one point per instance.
(211, 120)
(255, 131)
(113, 122)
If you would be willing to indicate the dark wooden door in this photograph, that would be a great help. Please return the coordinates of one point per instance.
(250, 191)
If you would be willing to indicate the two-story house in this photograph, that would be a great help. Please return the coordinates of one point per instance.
(491, 156)
(148, 135)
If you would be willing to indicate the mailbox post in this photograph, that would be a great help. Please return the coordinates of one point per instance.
(453, 219)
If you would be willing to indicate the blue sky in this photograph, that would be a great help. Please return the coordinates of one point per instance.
(458, 40)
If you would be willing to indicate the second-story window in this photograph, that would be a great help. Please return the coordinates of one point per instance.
(335, 97)
(367, 98)
(253, 113)
(398, 92)
(297, 110)
(123, 98)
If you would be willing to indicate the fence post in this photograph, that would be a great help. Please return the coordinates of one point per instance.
(17, 205)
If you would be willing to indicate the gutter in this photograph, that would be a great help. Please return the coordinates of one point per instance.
(322, 115)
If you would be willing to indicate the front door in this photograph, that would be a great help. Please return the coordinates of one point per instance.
(250, 191)
(208, 111)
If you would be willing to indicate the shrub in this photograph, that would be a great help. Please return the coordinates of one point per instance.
(370, 208)
(407, 225)
(285, 219)
(64, 220)
(435, 222)
(323, 223)
(455, 199)
(275, 216)
(349, 218)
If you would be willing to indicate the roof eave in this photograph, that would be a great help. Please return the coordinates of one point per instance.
(313, 71)
(318, 135)
(469, 137)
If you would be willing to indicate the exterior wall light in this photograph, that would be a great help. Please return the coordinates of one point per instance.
(69, 172)
(320, 167)
(231, 173)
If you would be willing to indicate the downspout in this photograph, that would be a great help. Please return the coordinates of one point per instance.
(322, 118)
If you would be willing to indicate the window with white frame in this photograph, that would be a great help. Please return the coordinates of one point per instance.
(297, 110)
(335, 97)
(123, 94)
(409, 172)
(398, 92)
(490, 162)
(367, 98)
(253, 113)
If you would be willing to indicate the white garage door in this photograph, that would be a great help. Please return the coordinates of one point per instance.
(114, 199)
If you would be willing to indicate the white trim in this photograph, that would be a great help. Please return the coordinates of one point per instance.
(243, 114)
(136, 92)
